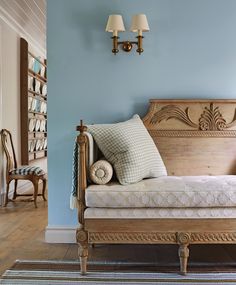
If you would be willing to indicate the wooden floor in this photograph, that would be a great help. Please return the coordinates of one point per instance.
(22, 230)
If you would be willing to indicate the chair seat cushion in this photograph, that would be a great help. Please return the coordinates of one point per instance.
(166, 192)
(27, 170)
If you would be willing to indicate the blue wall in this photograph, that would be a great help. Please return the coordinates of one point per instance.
(190, 52)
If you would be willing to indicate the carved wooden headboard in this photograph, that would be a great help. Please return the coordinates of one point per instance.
(194, 137)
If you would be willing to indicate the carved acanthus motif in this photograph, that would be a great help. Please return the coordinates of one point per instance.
(210, 120)
(173, 112)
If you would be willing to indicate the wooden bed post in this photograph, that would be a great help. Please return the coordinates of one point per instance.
(81, 234)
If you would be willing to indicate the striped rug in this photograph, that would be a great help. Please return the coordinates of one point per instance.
(56, 272)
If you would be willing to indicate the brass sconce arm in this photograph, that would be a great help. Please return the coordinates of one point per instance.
(115, 49)
(140, 44)
(127, 45)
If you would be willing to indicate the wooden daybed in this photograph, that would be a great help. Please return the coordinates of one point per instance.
(194, 137)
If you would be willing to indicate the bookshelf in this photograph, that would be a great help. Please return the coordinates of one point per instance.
(33, 105)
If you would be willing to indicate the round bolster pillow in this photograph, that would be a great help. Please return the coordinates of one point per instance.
(101, 172)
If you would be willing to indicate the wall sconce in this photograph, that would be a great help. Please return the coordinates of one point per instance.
(139, 25)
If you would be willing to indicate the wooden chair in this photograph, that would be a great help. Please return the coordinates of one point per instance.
(32, 173)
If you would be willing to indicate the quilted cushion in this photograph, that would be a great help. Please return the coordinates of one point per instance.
(26, 170)
(166, 191)
(130, 149)
(101, 172)
(160, 213)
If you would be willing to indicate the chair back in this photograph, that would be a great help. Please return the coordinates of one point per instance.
(9, 150)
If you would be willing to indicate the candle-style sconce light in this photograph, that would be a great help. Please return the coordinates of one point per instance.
(139, 25)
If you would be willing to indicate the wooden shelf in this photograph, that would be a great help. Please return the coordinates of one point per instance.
(35, 57)
(38, 94)
(26, 114)
(37, 133)
(37, 151)
(37, 76)
(37, 158)
(38, 113)
(42, 136)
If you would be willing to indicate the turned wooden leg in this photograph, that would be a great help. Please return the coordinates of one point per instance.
(36, 185)
(44, 189)
(83, 256)
(82, 240)
(183, 258)
(183, 240)
(15, 189)
(7, 192)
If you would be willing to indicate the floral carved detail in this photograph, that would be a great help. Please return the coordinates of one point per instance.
(210, 120)
(173, 112)
(81, 236)
(183, 238)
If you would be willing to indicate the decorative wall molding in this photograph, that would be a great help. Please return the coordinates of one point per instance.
(60, 234)
(210, 120)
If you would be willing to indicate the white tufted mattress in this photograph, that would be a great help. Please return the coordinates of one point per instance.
(166, 192)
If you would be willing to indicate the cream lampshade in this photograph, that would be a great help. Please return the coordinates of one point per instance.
(115, 24)
(139, 24)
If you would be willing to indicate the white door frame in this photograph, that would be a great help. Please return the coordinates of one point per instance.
(1, 108)
(1, 122)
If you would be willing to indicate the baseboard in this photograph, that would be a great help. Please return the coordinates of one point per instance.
(2, 197)
(57, 234)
